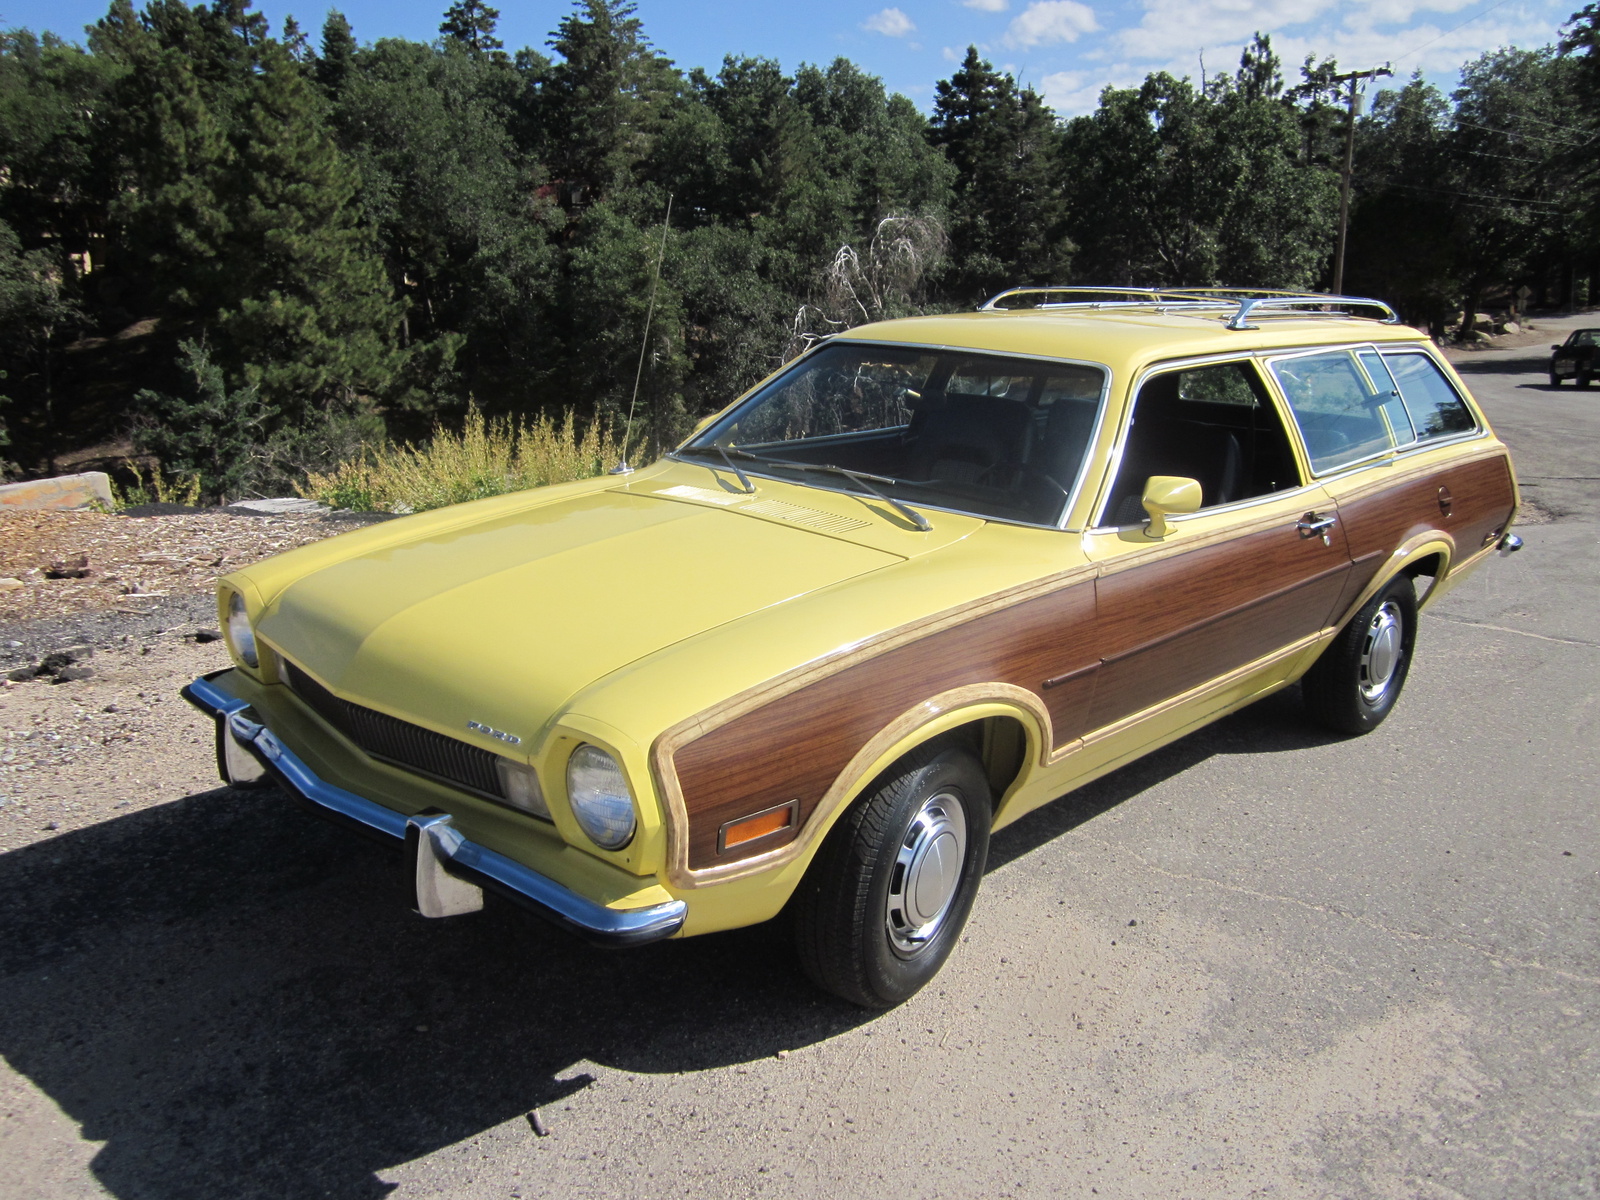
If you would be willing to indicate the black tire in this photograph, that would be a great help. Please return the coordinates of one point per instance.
(856, 912)
(1583, 379)
(1358, 678)
(1555, 380)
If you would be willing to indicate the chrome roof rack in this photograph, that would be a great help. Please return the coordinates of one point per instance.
(1244, 302)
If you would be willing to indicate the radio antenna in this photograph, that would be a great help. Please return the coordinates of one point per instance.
(622, 468)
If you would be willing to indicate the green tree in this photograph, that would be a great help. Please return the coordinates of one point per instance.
(1403, 222)
(603, 103)
(338, 49)
(464, 232)
(472, 23)
(310, 319)
(206, 430)
(1009, 222)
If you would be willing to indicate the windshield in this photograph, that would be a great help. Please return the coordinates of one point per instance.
(995, 436)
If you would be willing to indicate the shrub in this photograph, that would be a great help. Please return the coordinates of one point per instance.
(487, 458)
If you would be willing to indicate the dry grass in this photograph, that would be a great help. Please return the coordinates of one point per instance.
(487, 458)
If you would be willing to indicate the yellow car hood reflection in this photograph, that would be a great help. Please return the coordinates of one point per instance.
(502, 621)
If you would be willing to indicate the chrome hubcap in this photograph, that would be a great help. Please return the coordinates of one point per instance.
(927, 874)
(1381, 651)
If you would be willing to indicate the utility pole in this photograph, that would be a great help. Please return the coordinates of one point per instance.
(1353, 79)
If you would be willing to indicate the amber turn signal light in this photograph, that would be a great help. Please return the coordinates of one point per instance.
(758, 825)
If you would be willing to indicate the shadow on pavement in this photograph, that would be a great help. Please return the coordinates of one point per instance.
(233, 997)
(1272, 725)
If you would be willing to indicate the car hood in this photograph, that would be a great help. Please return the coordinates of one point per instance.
(500, 622)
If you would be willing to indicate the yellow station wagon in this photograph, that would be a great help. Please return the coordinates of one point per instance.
(927, 577)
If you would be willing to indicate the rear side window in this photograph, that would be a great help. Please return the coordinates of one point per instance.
(1344, 416)
(1436, 409)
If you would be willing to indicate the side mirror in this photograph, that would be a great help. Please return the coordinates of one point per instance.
(1555, 345)
(1165, 495)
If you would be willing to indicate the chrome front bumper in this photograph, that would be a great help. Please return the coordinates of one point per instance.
(448, 872)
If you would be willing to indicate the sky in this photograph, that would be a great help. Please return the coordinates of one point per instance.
(1067, 49)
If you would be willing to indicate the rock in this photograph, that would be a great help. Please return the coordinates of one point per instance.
(73, 674)
(76, 567)
(11, 585)
(23, 674)
(1480, 336)
(203, 636)
(62, 491)
(1512, 327)
(276, 507)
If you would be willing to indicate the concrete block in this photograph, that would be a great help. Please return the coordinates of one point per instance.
(275, 507)
(61, 492)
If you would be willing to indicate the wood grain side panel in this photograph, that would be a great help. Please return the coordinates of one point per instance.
(1380, 520)
(796, 746)
(1171, 624)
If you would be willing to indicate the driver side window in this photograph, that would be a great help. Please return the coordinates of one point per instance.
(1213, 424)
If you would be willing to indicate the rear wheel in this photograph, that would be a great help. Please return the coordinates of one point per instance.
(886, 899)
(1355, 683)
(1583, 379)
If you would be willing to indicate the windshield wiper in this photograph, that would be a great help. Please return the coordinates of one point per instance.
(744, 480)
(860, 479)
(749, 488)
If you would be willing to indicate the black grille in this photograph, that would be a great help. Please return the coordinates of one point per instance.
(401, 742)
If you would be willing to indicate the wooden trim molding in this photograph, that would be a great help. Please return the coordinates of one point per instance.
(974, 697)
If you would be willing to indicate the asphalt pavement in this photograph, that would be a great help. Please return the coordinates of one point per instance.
(1262, 962)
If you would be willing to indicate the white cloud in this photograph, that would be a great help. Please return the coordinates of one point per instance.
(891, 22)
(988, 5)
(1049, 21)
(1073, 93)
(1173, 30)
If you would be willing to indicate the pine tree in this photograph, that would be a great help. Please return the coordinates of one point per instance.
(472, 23)
(1260, 75)
(311, 321)
(605, 101)
(338, 51)
(1009, 215)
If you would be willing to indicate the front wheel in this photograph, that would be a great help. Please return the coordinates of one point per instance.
(1355, 683)
(886, 899)
(1555, 380)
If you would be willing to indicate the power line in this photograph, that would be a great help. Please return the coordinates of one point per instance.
(1452, 29)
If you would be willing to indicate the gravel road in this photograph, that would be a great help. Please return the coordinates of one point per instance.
(1262, 962)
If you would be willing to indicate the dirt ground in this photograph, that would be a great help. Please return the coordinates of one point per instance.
(70, 562)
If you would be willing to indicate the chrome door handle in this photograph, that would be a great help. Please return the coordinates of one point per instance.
(1314, 525)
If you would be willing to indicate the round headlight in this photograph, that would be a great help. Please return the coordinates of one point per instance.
(240, 636)
(600, 797)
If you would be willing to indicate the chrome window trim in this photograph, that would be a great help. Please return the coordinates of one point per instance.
(1070, 501)
(1393, 453)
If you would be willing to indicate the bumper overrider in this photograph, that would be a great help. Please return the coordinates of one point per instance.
(449, 872)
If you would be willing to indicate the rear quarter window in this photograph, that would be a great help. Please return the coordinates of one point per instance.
(1436, 409)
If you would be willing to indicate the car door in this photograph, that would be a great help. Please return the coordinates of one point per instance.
(1369, 420)
(1254, 573)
